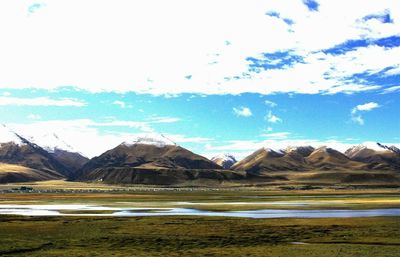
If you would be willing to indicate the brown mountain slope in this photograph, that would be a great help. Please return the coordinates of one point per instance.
(127, 160)
(71, 160)
(31, 156)
(384, 159)
(11, 173)
(325, 158)
(269, 160)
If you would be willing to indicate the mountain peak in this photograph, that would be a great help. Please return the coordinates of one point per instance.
(302, 150)
(158, 140)
(392, 148)
(224, 160)
(51, 142)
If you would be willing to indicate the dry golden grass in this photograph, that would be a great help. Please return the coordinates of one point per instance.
(12, 168)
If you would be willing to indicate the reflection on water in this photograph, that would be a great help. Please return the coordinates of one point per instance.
(95, 210)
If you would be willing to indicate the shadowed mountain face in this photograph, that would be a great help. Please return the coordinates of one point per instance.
(60, 150)
(72, 160)
(386, 158)
(31, 156)
(226, 161)
(150, 156)
(16, 149)
(325, 158)
(270, 160)
(145, 157)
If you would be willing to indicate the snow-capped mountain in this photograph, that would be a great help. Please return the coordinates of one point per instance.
(17, 150)
(7, 136)
(41, 152)
(224, 160)
(61, 151)
(157, 140)
(50, 142)
(392, 148)
(365, 150)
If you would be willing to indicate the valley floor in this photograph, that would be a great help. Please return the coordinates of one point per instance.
(198, 236)
(202, 236)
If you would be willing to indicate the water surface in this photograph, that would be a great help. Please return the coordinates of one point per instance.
(98, 210)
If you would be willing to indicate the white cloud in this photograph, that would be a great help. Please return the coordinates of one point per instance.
(33, 116)
(41, 101)
(356, 116)
(163, 119)
(277, 135)
(270, 103)
(51, 49)
(242, 111)
(144, 126)
(391, 89)
(366, 107)
(120, 103)
(272, 118)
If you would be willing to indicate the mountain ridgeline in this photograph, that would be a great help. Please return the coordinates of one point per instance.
(156, 163)
(307, 158)
(156, 160)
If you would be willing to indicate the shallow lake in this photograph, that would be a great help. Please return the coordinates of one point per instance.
(98, 210)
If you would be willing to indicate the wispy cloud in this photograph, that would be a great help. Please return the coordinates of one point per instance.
(41, 101)
(270, 103)
(120, 103)
(277, 135)
(242, 111)
(32, 116)
(356, 117)
(391, 89)
(272, 118)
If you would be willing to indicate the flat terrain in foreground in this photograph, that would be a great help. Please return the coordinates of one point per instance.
(203, 236)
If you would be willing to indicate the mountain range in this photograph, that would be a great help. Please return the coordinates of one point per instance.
(306, 158)
(157, 160)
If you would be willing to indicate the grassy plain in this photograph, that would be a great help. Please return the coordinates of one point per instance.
(201, 236)
(198, 236)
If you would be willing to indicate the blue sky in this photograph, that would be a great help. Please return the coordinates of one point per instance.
(270, 74)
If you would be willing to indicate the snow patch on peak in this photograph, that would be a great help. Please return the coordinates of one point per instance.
(224, 157)
(274, 151)
(224, 160)
(372, 146)
(157, 140)
(51, 142)
(392, 148)
(8, 136)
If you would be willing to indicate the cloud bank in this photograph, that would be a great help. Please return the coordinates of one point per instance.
(173, 47)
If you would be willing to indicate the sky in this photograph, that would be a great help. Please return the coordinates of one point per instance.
(213, 76)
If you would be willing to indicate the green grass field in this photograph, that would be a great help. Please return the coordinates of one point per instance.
(203, 236)
(198, 236)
